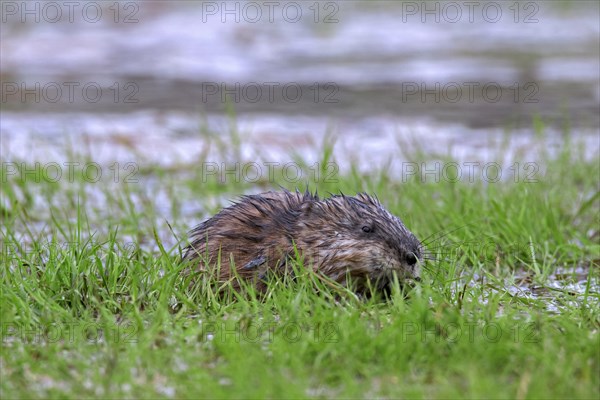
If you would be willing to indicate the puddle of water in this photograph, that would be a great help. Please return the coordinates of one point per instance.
(175, 138)
(563, 290)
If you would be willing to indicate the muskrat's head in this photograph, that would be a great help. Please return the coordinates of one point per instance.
(359, 237)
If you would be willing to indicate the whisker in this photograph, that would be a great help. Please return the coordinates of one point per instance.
(427, 237)
(425, 242)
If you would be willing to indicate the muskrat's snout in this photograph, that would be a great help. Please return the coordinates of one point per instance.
(411, 256)
(412, 266)
(411, 271)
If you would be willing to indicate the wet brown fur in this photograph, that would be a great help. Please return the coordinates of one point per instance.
(341, 237)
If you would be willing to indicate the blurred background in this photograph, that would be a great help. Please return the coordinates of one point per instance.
(151, 81)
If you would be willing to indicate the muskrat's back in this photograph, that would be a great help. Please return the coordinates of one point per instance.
(342, 237)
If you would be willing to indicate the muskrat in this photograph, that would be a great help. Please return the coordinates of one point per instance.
(341, 237)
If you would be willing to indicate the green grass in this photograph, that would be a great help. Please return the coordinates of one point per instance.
(94, 305)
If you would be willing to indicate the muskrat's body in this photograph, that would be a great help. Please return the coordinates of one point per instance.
(341, 237)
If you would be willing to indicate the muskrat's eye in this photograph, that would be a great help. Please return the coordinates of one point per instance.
(367, 229)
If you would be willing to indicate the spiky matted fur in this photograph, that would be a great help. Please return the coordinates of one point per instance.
(341, 236)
